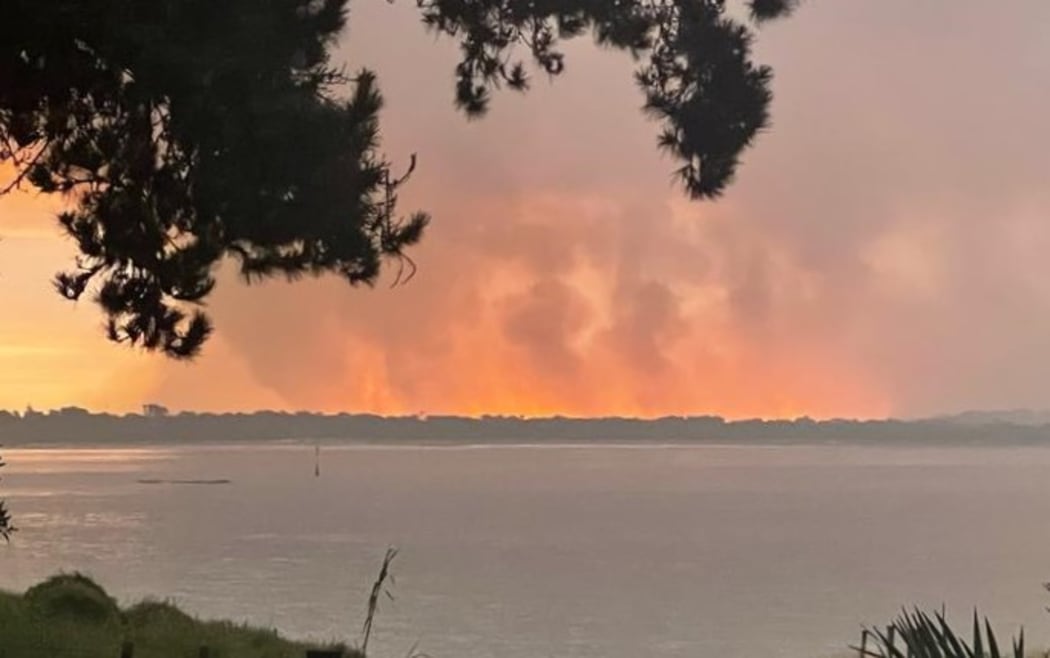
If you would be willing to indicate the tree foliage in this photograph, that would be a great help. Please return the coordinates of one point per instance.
(184, 132)
(695, 65)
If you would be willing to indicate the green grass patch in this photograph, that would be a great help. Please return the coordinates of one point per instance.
(71, 616)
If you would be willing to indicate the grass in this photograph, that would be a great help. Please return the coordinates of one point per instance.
(70, 616)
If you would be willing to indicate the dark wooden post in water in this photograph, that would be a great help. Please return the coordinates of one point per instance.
(127, 650)
(323, 653)
(205, 652)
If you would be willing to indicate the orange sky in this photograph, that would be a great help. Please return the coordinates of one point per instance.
(882, 252)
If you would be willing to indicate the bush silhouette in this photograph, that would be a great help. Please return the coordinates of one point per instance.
(73, 596)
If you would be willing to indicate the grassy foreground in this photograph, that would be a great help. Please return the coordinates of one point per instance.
(70, 616)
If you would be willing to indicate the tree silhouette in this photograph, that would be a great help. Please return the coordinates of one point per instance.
(184, 132)
(6, 527)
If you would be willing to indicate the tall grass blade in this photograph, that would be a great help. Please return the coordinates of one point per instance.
(373, 598)
(993, 646)
(978, 646)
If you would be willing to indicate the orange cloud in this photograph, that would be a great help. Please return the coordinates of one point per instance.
(567, 305)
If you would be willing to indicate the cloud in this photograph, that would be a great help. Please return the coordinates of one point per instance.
(25, 213)
(566, 304)
(883, 250)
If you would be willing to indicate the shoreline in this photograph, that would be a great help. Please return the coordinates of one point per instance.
(154, 445)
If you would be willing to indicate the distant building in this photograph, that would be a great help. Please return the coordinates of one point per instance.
(154, 411)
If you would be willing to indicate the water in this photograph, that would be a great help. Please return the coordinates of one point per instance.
(530, 552)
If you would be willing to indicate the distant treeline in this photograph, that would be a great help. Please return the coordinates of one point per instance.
(73, 426)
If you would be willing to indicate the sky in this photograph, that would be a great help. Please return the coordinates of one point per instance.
(884, 250)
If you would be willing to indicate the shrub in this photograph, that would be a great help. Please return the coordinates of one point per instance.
(73, 596)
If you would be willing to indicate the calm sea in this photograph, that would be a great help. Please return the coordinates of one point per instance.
(609, 551)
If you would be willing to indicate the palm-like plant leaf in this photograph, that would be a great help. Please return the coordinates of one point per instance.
(917, 634)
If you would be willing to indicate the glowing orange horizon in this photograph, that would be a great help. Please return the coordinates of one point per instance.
(521, 342)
